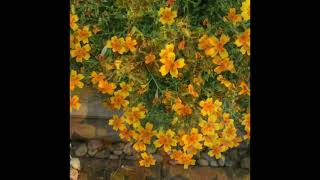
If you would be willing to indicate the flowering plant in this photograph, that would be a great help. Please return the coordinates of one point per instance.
(178, 70)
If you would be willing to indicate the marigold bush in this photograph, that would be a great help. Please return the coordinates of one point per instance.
(179, 71)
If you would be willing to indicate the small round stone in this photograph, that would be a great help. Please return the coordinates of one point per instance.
(117, 152)
(103, 154)
(203, 162)
(214, 163)
(221, 162)
(112, 156)
(81, 150)
(128, 150)
(245, 163)
(92, 152)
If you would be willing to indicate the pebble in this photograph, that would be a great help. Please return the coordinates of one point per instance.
(101, 132)
(92, 152)
(112, 156)
(94, 144)
(157, 157)
(213, 163)
(75, 163)
(234, 154)
(203, 162)
(221, 162)
(206, 156)
(103, 154)
(132, 157)
(81, 150)
(117, 152)
(245, 163)
(128, 150)
(229, 163)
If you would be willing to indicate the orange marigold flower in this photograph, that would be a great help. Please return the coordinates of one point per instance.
(117, 123)
(243, 41)
(198, 56)
(225, 82)
(139, 146)
(73, 21)
(229, 132)
(233, 17)
(192, 139)
(210, 140)
(167, 16)
(181, 109)
(167, 97)
(176, 155)
(244, 89)
(209, 127)
(106, 87)
(95, 78)
(164, 53)
(223, 65)
(84, 34)
(147, 160)
(170, 2)
(216, 151)
(127, 134)
(118, 100)
(209, 108)
(246, 123)
(166, 139)
(75, 80)
(74, 103)
(192, 91)
(134, 115)
(80, 53)
(186, 160)
(130, 44)
(149, 58)
(117, 45)
(73, 41)
(146, 133)
(213, 46)
(170, 65)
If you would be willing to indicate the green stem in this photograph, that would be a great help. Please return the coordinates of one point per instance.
(156, 83)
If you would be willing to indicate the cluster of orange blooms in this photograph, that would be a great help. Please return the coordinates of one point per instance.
(215, 131)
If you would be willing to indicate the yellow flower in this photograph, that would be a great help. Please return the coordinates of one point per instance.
(193, 139)
(117, 63)
(186, 160)
(210, 140)
(118, 100)
(139, 146)
(209, 108)
(208, 127)
(244, 89)
(143, 88)
(74, 103)
(106, 87)
(166, 139)
(117, 45)
(134, 115)
(117, 123)
(223, 65)
(226, 120)
(75, 80)
(146, 133)
(149, 58)
(245, 10)
(198, 81)
(130, 44)
(80, 52)
(125, 88)
(213, 46)
(192, 91)
(73, 21)
(170, 65)
(167, 16)
(233, 17)
(216, 151)
(127, 134)
(225, 82)
(84, 34)
(229, 132)
(246, 123)
(147, 160)
(243, 41)
(181, 109)
(167, 51)
(95, 78)
(167, 97)
(73, 41)
(176, 155)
